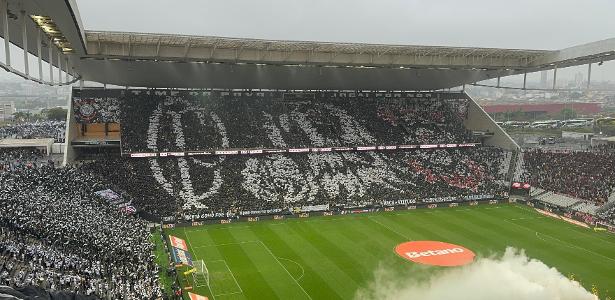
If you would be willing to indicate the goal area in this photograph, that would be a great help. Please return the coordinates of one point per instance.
(200, 276)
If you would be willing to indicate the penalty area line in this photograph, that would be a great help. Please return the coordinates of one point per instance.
(225, 244)
(296, 263)
(283, 267)
(563, 242)
(235, 279)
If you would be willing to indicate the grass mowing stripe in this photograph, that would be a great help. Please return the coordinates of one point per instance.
(550, 227)
(444, 232)
(417, 222)
(250, 277)
(367, 239)
(320, 262)
(545, 228)
(476, 239)
(376, 237)
(339, 241)
(565, 258)
(603, 236)
(310, 276)
(245, 233)
(343, 259)
(346, 243)
(326, 251)
(373, 219)
(291, 276)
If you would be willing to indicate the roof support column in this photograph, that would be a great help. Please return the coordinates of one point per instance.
(524, 80)
(50, 48)
(589, 74)
(4, 19)
(59, 67)
(66, 68)
(24, 36)
(554, 76)
(39, 53)
(498, 81)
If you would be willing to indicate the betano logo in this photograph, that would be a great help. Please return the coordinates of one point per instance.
(435, 253)
(432, 252)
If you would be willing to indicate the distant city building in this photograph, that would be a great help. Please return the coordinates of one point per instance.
(7, 109)
(578, 79)
(543, 79)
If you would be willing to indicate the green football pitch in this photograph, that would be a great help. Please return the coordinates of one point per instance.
(331, 257)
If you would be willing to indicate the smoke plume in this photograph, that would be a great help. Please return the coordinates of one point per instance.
(513, 276)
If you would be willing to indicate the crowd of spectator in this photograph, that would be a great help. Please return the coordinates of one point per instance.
(56, 234)
(93, 106)
(12, 159)
(226, 185)
(587, 175)
(608, 214)
(184, 122)
(35, 130)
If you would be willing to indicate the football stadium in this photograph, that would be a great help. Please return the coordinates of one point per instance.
(207, 167)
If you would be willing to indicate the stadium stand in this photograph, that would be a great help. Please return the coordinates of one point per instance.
(259, 183)
(558, 199)
(220, 120)
(56, 234)
(92, 108)
(585, 207)
(586, 175)
(607, 214)
(521, 174)
(12, 159)
(33, 130)
(52, 235)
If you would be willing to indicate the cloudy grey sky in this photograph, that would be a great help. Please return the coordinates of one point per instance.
(537, 24)
(531, 24)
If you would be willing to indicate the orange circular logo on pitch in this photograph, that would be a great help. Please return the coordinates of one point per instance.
(435, 253)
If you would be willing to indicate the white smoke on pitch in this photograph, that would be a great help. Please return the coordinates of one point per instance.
(513, 276)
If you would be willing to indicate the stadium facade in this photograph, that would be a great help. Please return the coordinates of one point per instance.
(206, 130)
(52, 31)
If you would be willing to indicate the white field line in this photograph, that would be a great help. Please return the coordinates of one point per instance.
(187, 238)
(227, 294)
(296, 263)
(389, 228)
(236, 283)
(195, 257)
(579, 231)
(538, 235)
(291, 276)
(527, 218)
(225, 244)
(216, 228)
(563, 242)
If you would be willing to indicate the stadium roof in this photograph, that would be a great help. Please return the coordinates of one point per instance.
(183, 61)
(243, 44)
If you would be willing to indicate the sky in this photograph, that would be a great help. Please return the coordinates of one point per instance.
(524, 24)
(533, 24)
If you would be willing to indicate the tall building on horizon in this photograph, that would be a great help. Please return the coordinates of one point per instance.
(543, 79)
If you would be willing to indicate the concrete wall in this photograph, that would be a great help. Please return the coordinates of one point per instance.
(479, 120)
(58, 148)
(584, 136)
(71, 133)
